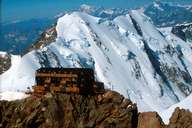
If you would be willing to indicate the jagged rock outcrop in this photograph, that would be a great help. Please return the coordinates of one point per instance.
(183, 31)
(5, 62)
(149, 120)
(45, 39)
(69, 110)
(108, 110)
(181, 118)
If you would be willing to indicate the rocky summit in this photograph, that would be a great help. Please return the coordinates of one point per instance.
(69, 111)
(181, 119)
(108, 110)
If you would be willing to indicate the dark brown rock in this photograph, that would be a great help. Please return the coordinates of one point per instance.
(149, 120)
(109, 110)
(181, 118)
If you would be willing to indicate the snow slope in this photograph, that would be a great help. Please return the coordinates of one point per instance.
(20, 75)
(10, 96)
(128, 54)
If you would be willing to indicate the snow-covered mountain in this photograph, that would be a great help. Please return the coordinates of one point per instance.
(165, 14)
(129, 54)
(104, 13)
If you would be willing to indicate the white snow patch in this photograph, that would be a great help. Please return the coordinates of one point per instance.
(3, 54)
(11, 96)
(20, 75)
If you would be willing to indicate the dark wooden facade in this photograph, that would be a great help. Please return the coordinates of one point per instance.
(67, 80)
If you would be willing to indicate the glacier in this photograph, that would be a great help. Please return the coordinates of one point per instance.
(129, 54)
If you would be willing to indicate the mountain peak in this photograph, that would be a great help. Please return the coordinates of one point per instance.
(87, 8)
(128, 53)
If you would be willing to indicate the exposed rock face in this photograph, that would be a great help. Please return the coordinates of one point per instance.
(181, 119)
(183, 31)
(108, 110)
(5, 62)
(149, 120)
(46, 38)
(65, 110)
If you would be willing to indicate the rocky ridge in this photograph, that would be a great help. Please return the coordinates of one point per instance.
(5, 62)
(45, 39)
(69, 110)
(181, 118)
(84, 111)
(183, 31)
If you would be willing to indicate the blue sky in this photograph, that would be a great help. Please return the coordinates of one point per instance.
(26, 9)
